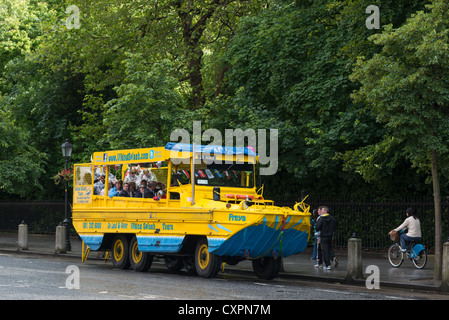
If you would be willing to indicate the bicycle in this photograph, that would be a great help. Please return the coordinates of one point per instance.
(417, 254)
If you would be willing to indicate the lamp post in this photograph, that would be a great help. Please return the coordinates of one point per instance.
(66, 153)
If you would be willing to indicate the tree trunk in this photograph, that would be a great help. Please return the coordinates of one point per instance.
(438, 223)
(194, 65)
(193, 26)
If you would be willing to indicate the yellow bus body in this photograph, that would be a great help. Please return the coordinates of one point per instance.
(235, 223)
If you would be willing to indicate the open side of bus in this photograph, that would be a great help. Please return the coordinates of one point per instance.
(211, 211)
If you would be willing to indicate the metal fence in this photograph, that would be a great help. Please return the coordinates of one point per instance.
(41, 217)
(370, 220)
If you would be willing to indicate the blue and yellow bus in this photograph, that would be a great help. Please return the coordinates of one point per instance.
(207, 212)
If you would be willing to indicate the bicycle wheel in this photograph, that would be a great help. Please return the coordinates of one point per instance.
(395, 256)
(420, 260)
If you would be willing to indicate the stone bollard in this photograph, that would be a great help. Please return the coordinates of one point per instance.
(445, 268)
(355, 267)
(60, 239)
(22, 240)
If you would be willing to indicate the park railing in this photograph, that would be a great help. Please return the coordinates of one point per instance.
(40, 216)
(370, 220)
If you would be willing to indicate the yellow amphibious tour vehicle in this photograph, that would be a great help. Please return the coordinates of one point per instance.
(207, 212)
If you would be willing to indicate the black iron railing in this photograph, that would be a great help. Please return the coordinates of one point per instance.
(369, 220)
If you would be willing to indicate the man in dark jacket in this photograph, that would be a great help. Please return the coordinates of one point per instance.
(144, 192)
(326, 226)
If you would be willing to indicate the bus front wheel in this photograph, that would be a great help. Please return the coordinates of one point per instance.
(207, 264)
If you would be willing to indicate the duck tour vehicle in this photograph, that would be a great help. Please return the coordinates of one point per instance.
(207, 211)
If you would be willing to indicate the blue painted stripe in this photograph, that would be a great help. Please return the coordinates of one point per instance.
(223, 228)
(93, 241)
(212, 228)
(276, 220)
(158, 243)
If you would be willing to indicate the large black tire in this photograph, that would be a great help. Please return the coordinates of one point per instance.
(120, 252)
(267, 268)
(207, 264)
(140, 261)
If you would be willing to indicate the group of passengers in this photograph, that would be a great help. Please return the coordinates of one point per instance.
(147, 188)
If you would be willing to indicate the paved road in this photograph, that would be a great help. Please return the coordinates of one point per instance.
(35, 277)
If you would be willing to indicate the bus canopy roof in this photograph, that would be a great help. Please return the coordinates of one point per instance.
(210, 149)
(171, 150)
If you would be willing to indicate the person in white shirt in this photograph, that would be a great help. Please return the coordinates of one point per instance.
(414, 228)
(131, 176)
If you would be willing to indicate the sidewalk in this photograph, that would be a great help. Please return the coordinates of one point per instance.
(298, 266)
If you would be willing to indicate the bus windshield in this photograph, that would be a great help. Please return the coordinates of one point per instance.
(223, 175)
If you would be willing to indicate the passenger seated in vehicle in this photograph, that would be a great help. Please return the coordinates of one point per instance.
(151, 186)
(159, 186)
(147, 175)
(161, 194)
(132, 189)
(144, 192)
(115, 191)
(110, 186)
(124, 192)
(99, 184)
(132, 175)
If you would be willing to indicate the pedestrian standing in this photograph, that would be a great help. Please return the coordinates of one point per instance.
(326, 226)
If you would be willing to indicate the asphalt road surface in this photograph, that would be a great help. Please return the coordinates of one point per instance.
(32, 277)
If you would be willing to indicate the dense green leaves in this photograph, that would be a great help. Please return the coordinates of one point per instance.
(149, 105)
(136, 70)
(20, 170)
(406, 86)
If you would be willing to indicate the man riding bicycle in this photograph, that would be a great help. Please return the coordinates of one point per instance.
(413, 225)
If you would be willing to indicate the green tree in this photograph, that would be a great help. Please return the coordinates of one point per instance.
(28, 98)
(406, 86)
(177, 30)
(20, 161)
(289, 68)
(150, 104)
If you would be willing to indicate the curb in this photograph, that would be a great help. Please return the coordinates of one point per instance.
(283, 275)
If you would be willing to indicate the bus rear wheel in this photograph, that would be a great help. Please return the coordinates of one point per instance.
(120, 252)
(207, 264)
(140, 261)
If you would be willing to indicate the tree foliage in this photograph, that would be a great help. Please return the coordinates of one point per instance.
(406, 85)
(136, 70)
